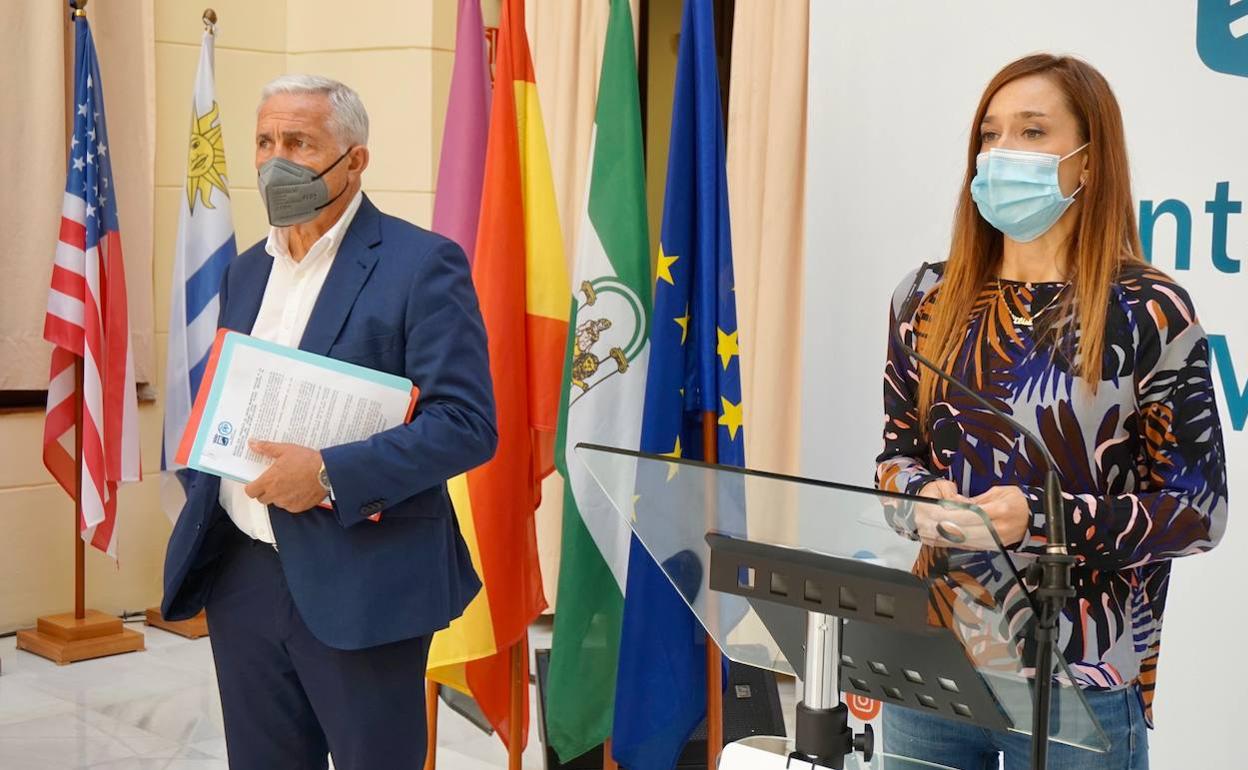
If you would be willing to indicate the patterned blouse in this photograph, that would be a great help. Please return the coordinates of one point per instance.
(1140, 458)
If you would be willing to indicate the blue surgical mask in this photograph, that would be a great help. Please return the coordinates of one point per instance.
(1018, 193)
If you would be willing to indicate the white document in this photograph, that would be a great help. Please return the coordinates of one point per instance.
(257, 390)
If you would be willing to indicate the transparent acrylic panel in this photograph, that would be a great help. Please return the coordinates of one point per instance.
(973, 586)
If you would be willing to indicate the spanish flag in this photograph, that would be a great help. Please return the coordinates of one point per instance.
(522, 285)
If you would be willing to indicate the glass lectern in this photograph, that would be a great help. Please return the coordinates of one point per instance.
(906, 600)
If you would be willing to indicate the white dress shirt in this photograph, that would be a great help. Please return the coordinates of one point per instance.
(289, 297)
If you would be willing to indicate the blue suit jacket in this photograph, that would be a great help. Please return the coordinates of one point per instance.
(398, 299)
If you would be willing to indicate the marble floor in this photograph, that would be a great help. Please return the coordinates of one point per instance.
(159, 710)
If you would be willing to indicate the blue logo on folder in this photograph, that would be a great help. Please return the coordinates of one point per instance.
(1222, 35)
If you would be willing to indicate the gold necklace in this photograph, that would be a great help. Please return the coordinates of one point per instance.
(1029, 320)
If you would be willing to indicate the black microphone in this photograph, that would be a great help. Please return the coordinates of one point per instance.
(1052, 569)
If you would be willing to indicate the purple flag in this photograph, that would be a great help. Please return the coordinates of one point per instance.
(461, 169)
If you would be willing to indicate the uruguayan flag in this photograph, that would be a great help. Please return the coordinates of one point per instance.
(204, 247)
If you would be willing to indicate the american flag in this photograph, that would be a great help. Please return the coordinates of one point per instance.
(87, 320)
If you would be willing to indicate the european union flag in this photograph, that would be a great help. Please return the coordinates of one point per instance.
(694, 373)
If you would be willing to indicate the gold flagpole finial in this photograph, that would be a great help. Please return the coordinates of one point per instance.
(210, 21)
(80, 8)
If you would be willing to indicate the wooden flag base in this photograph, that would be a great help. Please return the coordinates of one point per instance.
(65, 639)
(193, 628)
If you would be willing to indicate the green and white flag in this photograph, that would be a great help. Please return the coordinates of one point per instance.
(604, 391)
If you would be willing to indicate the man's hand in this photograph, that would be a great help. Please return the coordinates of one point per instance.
(291, 482)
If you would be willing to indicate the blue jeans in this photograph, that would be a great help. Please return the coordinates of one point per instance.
(912, 734)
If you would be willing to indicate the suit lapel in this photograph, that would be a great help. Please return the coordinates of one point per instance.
(246, 296)
(352, 266)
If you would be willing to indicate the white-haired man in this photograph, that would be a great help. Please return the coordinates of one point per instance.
(320, 620)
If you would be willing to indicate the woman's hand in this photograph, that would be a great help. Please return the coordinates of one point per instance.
(947, 527)
(1008, 510)
(941, 489)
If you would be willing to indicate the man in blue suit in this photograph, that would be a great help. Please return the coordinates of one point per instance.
(320, 620)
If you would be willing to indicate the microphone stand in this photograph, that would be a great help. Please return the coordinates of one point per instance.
(1051, 571)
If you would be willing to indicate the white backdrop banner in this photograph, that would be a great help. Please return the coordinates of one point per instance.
(893, 89)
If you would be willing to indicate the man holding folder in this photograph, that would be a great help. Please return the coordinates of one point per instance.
(320, 619)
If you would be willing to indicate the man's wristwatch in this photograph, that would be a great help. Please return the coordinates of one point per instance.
(323, 477)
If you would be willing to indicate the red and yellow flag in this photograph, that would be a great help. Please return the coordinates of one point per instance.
(523, 286)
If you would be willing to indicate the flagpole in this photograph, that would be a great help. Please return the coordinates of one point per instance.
(196, 627)
(80, 547)
(714, 663)
(519, 692)
(431, 724)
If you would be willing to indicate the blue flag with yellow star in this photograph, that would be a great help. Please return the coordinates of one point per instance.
(694, 371)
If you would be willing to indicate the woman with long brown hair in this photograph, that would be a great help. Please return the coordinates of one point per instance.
(1046, 308)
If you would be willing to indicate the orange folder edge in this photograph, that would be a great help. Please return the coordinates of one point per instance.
(201, 401)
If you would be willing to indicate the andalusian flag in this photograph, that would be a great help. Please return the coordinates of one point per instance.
(522, 284)
(604, 389)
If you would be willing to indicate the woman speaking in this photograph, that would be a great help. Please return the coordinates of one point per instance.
(1046, 308)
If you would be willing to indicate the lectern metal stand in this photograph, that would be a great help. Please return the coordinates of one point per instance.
(883, 646)
(908, 601)
(824, 737)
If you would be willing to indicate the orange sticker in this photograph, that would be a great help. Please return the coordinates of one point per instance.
(863, 707)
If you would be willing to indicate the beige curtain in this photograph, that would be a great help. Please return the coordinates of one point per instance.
(36, 56)
(32, 181)
(566, 38)
(766, 181)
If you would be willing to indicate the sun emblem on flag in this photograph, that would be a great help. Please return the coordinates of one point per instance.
(609, 337)
(205, 165)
